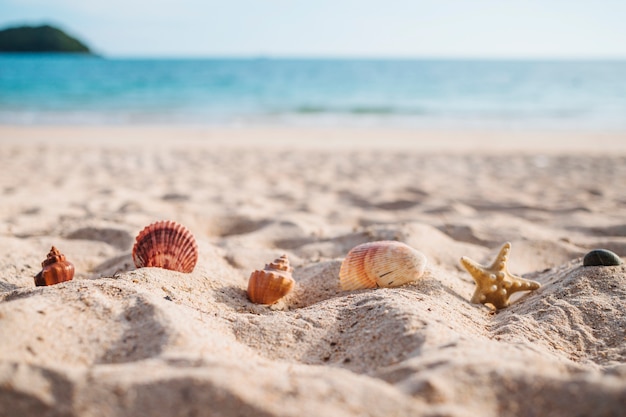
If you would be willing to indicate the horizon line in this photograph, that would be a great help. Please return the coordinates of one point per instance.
(353, 57)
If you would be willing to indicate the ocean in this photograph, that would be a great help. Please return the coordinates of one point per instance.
(70, 89)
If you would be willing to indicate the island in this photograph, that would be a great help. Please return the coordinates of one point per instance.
(43, 38)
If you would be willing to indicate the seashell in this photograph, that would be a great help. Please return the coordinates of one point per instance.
(601, 257)
(270, 284)
(166, 244)
(381, 264)
(56, 269)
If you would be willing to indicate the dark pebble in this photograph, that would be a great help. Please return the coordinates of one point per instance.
(601, 257)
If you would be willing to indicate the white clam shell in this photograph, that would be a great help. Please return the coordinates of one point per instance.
(381, 264)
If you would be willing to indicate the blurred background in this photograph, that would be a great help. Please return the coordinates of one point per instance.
(480, 64)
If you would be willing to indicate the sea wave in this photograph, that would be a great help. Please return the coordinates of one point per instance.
(320, 116)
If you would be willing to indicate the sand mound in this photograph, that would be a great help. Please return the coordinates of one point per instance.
(132, 342)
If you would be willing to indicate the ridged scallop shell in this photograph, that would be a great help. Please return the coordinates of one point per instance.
(381, 264)
(270, 284)
(56, 269)
(166, 244)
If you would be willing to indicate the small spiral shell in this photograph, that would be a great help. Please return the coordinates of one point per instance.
(56, 269)
(270, 284)
(381, 264)
(167, 245)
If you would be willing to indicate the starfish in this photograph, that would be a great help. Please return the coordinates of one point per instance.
(495, 284)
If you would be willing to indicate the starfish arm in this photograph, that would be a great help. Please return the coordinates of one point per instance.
(522, 284)
(500, 263)
(478, 296)
(472, 267)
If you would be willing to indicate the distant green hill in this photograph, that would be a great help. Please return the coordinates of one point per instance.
(39, 39)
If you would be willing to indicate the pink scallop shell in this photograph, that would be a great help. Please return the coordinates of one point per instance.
(166, 244)
(381, 264)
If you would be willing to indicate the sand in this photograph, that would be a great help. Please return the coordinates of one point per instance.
(121, 341)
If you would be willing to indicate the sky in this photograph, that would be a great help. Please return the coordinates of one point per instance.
(496, 29)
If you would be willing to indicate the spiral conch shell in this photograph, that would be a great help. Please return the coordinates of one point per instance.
(381, 264)
(270, 284)
(167, 245)
(56, 269)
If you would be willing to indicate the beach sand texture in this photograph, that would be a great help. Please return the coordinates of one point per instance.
(150, 342)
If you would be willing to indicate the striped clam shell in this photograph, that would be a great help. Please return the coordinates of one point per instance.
(166, 244)
(270, 284)
(381, 264)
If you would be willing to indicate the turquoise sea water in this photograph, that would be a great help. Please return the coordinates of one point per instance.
(61, 89)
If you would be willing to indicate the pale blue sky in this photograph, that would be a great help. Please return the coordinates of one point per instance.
(366, 28)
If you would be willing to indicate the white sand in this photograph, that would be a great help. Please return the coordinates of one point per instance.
(149, 342)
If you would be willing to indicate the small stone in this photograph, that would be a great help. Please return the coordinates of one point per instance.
(601, 257)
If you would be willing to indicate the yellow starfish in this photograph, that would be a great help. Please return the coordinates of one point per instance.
(495, 284)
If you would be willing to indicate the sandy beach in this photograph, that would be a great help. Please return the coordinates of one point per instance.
(122, 341)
